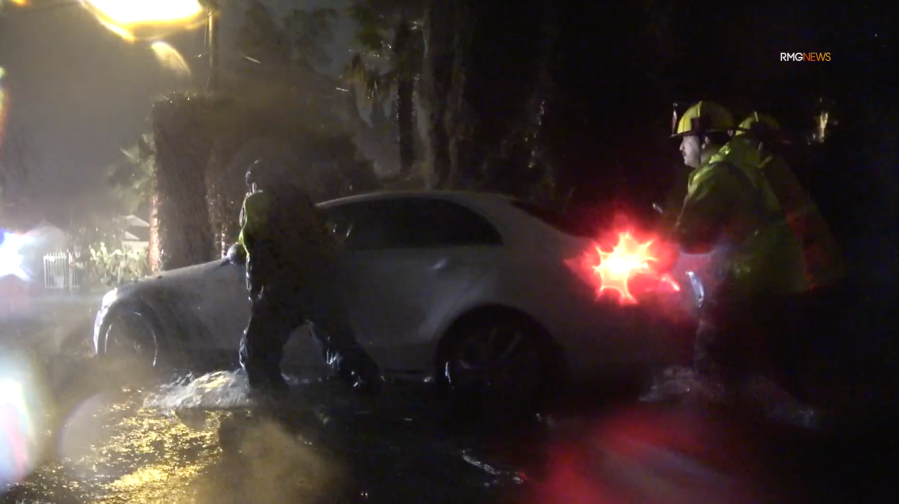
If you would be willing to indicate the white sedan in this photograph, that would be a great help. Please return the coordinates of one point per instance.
(462, 288)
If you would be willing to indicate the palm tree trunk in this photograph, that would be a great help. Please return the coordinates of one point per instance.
(225, 191)
(406, 124)
(436, 85)
(404, 104)
(480, 78)
(153, 248)
(182, 153)
(214, 200)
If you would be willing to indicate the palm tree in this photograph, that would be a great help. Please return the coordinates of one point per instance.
(260, 37)
(307, 31)
(389, 31)
(298, 38)
(133, 181)
(132, 177)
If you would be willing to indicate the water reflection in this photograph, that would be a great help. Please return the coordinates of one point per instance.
(203, 440)
(139, 455)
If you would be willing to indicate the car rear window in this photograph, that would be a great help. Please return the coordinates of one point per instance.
(555, 219)
(412, 223)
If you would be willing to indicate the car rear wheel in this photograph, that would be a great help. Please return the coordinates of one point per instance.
(132, 334)
(498, 361)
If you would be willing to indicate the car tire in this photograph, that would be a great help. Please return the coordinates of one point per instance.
(132, 333)
(498, 361)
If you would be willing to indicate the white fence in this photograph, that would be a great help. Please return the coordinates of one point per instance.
(57, 272)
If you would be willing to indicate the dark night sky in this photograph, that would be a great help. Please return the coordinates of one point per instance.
(82, 93)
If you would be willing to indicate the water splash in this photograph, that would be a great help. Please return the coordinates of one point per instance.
(503, 477)
(217, 390)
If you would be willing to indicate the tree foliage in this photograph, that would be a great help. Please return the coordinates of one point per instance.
(307, 32)
(132, 178)
(115, 266)
(261, 36)
(482, 88)
(298, 38)
(390, 59)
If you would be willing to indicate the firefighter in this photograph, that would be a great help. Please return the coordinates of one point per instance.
(823, 259)
(703, 129)
(293, 275)
(730, 210)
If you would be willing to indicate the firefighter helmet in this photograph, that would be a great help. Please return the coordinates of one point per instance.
(758, 123)
(259, 172)
(702, 117)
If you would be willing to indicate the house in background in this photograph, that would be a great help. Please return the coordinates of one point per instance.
(137, 229)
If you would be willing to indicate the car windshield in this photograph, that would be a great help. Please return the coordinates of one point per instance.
(557, 220)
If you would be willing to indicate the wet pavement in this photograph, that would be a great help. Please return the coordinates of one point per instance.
(78, 430)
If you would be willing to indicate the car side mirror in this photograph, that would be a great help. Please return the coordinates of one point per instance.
(236, 254)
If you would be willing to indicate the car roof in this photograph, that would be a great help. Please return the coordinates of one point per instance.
(516, 225)
(479, 199)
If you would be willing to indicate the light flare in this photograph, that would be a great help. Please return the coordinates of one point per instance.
(170, 58)
(4, 107)
(23, 414)
(134, 12)
(147, 19)
(10, 255)
(118, 30)
(630, 261)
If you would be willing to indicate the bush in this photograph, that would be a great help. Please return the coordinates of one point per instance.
(115, 267)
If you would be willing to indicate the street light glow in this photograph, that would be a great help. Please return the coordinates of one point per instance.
(118, 30)
(135, 12)
(147, 19)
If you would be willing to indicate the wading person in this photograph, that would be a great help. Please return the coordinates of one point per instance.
(294, 275)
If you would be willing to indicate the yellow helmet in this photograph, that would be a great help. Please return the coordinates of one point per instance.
(702, 117)
(758, 122)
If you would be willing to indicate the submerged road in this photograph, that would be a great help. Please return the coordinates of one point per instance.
(75, 430)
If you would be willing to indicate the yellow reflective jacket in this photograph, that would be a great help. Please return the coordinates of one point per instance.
(254, 218)
(291, 229)
(823, 258)
(730, 202)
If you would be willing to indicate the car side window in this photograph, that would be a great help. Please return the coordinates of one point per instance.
(366, 225)
(436, 223)
(406, 223)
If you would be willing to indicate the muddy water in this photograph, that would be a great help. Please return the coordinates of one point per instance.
(75, 430)
(114, 432)
(203, 439)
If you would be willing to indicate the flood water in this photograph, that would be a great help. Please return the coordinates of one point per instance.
(79, 430)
